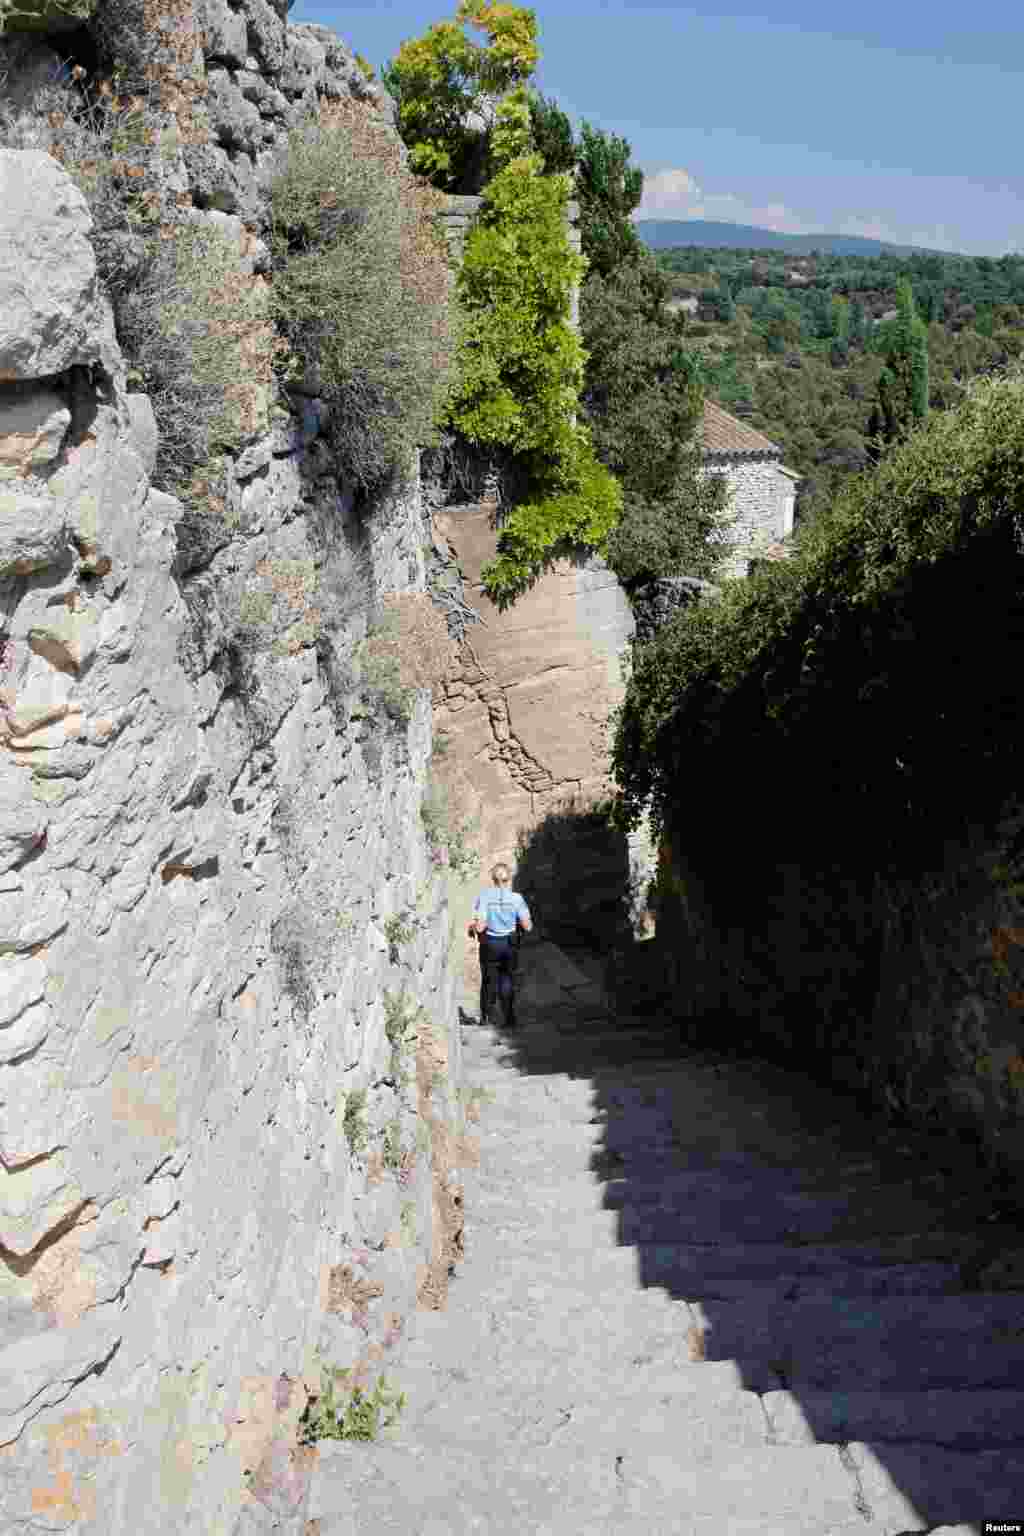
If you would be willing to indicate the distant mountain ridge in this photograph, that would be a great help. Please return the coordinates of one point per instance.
(661, 233)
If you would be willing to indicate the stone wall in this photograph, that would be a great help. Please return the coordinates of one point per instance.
(758, 497)
(910, 992)
(526, 707)
(217, 1157)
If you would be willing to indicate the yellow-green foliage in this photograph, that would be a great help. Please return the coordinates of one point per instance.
(825, 643)
(441, 79)
(521, 371)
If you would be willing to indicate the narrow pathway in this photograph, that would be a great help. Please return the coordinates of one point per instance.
(700, 1296)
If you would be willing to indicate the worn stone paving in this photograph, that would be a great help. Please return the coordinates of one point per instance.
(700, 1295)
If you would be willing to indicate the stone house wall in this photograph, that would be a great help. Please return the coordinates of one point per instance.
(761, 499)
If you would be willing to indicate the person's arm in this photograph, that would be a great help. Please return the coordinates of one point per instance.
(477, 924)
(524, 919)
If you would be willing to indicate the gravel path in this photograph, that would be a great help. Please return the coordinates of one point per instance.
(700, 1296)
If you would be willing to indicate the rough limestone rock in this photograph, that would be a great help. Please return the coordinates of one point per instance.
(32, 531)
(51, 314)
(215, 1159)
(527, 701)
(526, 710)
(655, 603)
(33, 425)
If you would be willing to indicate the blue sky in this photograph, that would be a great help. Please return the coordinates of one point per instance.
(898, 119)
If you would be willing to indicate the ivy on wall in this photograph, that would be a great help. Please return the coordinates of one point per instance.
(464, 112)
(521, 372)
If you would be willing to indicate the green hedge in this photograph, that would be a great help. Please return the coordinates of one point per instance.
(859, 683)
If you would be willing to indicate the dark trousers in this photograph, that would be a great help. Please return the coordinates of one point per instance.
(498, 959)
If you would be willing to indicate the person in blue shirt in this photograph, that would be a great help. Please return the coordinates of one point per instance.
(497, 913)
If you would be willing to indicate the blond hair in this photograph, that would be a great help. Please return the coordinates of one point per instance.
(500, 873)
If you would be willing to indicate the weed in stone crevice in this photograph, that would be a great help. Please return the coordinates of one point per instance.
(407, 1223)
(400, 1022)
(359, 1417)
(398, 931)
(354, 1120)
(393, 1145)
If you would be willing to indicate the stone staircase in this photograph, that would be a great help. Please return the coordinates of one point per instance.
(700, 1295)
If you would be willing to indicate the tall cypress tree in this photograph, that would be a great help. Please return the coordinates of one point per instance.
(903, 385)
(858, 327)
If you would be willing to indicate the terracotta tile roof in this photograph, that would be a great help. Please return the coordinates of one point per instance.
(722, 436)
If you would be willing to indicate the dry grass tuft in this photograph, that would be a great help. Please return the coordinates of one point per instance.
(362, 287)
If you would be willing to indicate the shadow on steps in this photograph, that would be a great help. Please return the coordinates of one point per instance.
(864, 1279)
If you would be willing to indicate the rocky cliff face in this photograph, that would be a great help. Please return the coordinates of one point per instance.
(526, 708)
(230, 1124)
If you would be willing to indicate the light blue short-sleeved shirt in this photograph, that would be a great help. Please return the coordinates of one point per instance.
(499, 907)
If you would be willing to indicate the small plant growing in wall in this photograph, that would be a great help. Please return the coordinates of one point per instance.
(407, 1222)
(449, 830)
(397, 932)
(400, 1027)
(255, 608)
(354, 1120)
(359, 1416)
(393, 1145)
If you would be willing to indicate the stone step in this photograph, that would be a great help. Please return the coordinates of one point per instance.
(776, 1288)
(590, 1051)
(973, 1340)
(561, 1491)
(925, 1261)
(964, 1419)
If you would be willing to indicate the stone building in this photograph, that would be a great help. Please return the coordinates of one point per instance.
(762, 490)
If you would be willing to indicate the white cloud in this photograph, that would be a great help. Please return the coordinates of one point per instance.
(673, 194)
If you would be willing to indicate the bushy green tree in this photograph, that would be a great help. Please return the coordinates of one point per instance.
(643, 397)
(608, 189)
(552, 135)
(642, 393)
(450, 91)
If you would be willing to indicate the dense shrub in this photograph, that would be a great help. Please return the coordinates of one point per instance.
(873, 672)
(361, 287)
(681, 534)
(198, 327)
